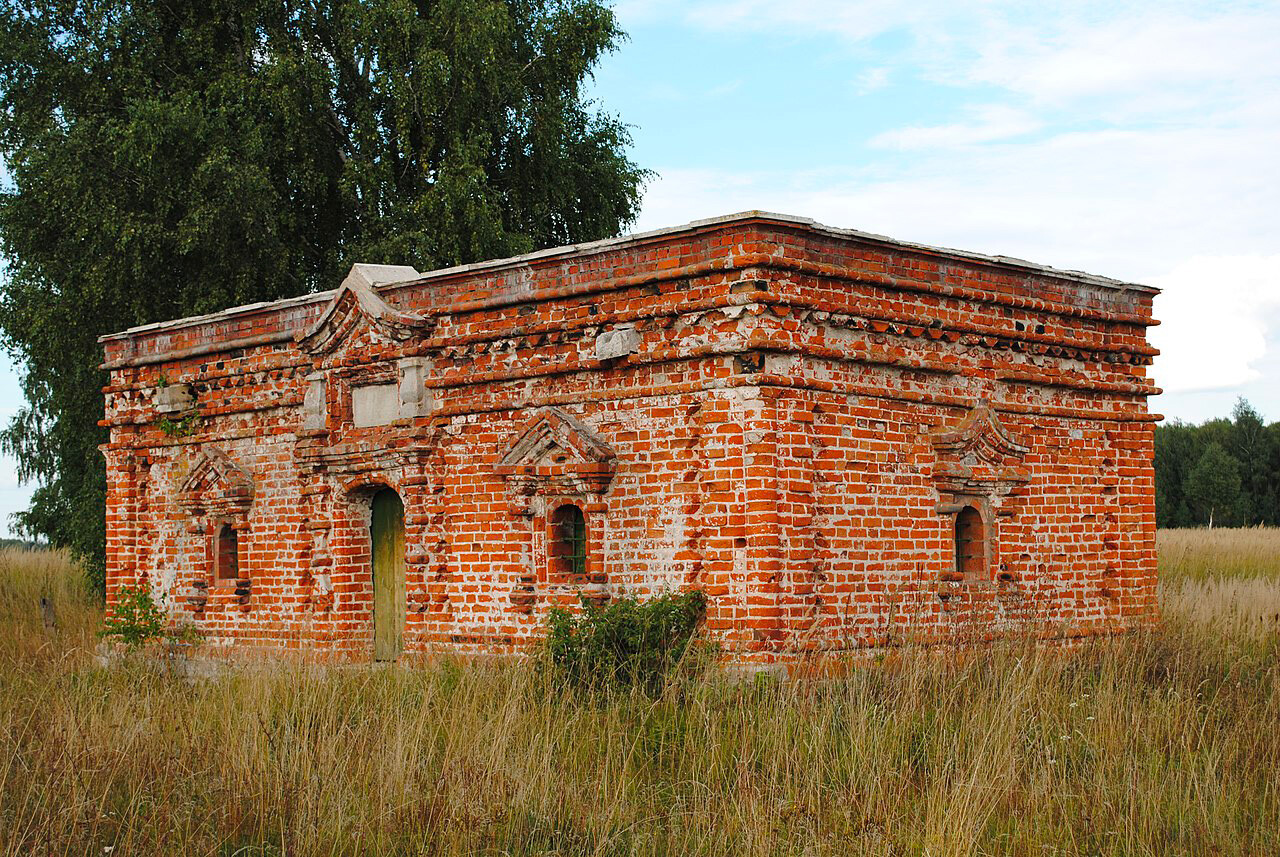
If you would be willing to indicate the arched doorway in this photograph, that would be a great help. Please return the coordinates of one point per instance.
(386, 540)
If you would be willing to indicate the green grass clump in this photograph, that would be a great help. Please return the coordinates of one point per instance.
(136, 619)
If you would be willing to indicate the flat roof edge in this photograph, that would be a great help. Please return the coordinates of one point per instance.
(604, 244)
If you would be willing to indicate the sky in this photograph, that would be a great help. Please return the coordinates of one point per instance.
(1135, 140)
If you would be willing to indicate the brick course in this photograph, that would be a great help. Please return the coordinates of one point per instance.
(786, 415)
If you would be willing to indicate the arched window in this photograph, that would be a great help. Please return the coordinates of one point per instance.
(970, 544)
(226, 552)
(567, 548)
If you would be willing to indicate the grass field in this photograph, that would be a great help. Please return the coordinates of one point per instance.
(1165, 743)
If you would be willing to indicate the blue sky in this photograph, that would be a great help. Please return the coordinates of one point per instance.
(1139, 141)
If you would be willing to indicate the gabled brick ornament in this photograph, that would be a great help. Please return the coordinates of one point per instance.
(978, 458)
(215, 493)
(554, 454)
(216, 487)
(358, 298)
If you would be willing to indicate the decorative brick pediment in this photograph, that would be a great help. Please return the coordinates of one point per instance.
(979, 457)
(357, 300)
(216, 486)
(553, 453)
(979, 438)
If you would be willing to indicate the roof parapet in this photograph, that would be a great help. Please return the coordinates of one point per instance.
(379, 276)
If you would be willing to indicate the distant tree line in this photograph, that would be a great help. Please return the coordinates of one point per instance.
(1222, 473)
(25, 544)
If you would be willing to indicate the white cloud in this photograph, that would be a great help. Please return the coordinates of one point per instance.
(723, 89)
(1124, 203)
(990, 122)
(1128, 60)
(1140, 56)
(1216, 313)
(851, 21)
(1050, 50)
(871, 80)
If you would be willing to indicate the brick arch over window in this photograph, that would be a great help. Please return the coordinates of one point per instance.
(979, 475)
(216, 486)
(557, 471)
(979, 457)
(216, 496)
(554, 455)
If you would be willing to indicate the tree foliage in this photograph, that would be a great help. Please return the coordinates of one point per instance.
(1222, 472)
(167, 159)
(1213, 488)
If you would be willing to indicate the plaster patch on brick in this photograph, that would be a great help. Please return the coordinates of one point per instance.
(617, 342)
(174, 398)
(672, 526)
(313, 403)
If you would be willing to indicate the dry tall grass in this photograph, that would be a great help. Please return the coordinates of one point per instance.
(1202, 554)
(1164, 743)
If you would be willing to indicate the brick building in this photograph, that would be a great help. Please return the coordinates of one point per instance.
(846, 441)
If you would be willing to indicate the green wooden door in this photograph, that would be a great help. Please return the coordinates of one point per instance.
(386, 533)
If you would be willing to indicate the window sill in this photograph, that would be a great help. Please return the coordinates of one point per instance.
(559, 594)
(231, 588)
(950, 589)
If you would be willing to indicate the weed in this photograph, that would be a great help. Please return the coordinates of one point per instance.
(182, 427)
(136, 619)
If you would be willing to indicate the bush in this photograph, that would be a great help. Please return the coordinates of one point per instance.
(627, 643)
(136, 619)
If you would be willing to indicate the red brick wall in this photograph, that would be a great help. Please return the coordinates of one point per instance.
(778, 436)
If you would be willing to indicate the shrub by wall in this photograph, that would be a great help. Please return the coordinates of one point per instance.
(626, 643)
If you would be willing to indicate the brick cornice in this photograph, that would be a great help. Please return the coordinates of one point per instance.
(269, 323)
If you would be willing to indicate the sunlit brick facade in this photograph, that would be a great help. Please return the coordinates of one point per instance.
(846, 441)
